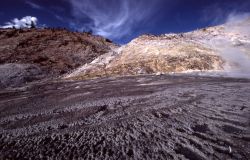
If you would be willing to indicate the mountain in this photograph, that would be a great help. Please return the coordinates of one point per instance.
(28, 55)
(49, 52)
(223, 48)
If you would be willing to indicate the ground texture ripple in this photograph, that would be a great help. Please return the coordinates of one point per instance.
(139, 117)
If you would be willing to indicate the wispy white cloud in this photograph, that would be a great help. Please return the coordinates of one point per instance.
(34, 5)
(59, 18)
(114, 18)
(51, 10)
(25, 22)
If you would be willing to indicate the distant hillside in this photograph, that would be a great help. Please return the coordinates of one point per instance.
(224, 48)
(28, 55)
(52, 51)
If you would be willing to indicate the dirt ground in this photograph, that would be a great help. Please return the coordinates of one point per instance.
(142, 117)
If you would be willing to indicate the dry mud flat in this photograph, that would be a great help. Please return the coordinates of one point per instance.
(143, 117)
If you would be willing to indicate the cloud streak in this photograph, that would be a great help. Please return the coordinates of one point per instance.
(113, 18)
(25, 22)
(34, 5)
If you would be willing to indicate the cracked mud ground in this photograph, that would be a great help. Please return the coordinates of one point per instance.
(143, 117)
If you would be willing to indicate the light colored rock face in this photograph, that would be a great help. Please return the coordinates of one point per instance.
(154, 54)
(220, 48)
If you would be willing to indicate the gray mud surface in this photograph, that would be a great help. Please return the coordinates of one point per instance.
(143, 117)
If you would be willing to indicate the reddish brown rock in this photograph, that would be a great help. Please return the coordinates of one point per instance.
(55, 51)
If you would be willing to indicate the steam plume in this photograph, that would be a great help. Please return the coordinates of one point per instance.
(235, 49)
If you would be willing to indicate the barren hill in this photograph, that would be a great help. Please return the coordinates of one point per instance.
(52, 51)
(33, 54)
(219, 48)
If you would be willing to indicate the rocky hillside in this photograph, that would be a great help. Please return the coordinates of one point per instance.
(52, 52)
(219, 48)
(27, 55)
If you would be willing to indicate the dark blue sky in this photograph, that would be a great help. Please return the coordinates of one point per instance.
(123, 20)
